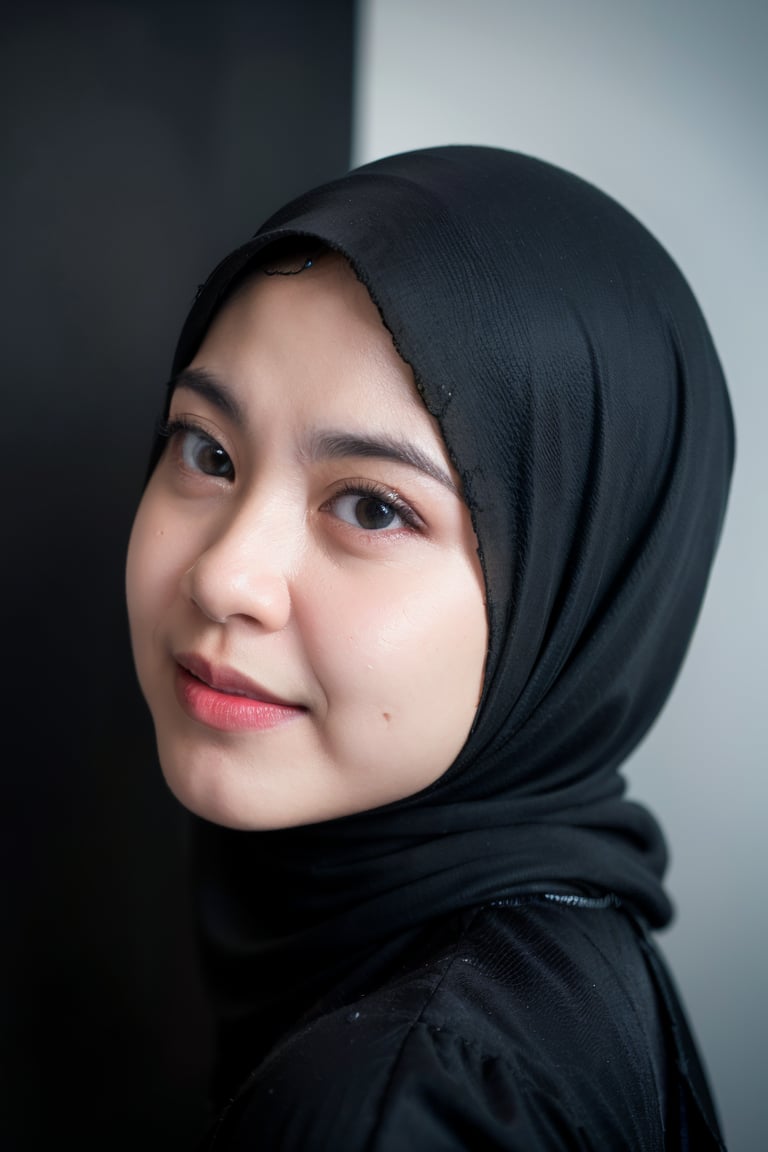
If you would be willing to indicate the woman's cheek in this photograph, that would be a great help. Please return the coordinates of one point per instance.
(404, 644)
(158, 554)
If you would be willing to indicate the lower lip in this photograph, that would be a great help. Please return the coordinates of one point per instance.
(229, 713)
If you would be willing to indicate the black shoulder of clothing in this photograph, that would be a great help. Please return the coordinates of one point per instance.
(537, 1028)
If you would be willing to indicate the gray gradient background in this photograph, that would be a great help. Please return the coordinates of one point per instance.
(663, 105)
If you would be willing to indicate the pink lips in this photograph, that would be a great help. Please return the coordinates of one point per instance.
(223, 699)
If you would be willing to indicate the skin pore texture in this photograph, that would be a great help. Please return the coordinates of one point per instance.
(305, 599)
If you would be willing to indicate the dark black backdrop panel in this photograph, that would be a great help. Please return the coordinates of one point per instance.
(140, 140)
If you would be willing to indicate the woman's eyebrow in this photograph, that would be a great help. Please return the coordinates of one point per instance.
(211, 388)
(328, 445)
(332, 445)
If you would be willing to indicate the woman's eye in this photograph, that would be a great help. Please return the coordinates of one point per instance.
(371, 512)
(201, 453)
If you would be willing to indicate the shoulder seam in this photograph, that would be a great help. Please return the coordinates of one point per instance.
(418, 1020)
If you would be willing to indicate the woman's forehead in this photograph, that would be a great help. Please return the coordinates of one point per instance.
(314, 340)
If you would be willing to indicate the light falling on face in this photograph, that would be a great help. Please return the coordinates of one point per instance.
(305, 599)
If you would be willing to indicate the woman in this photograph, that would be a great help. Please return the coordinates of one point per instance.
(443, 467)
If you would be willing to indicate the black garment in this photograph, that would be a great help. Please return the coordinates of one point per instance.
(583, 405)
(534, 1026)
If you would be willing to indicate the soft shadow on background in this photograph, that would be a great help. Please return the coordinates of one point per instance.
(663, 104)
(140, 141)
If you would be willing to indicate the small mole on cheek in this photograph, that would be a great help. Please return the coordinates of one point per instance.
(387, 716)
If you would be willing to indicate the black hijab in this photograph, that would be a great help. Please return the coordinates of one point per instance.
(583, 405)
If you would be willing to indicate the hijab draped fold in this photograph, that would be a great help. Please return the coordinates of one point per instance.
(584, 408)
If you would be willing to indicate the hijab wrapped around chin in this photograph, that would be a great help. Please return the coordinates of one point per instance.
(583, 405)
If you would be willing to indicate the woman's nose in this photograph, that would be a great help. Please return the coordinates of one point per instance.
(243, 570)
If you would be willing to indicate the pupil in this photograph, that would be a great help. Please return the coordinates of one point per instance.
(373, 513)
(216, 461)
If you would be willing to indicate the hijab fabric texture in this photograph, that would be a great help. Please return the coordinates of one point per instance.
(583, 405)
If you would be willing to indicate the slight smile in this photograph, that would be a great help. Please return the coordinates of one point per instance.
(222, 698)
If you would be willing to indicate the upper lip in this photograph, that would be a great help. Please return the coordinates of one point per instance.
(224, 679)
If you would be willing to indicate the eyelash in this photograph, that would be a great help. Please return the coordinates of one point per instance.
(181, 425)
(360, 488)
(369, 488)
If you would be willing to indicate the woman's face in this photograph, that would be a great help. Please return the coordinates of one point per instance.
(305, 599)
